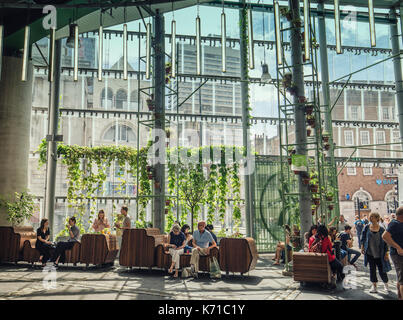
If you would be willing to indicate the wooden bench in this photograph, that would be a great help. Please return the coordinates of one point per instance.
(238, 255)
(98, 249)
(138, 247)
(311, 267)
(12, 241)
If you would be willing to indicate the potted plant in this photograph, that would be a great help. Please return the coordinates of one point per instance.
(285, 12)
(287, 80)
(167, 202)
(157, 185)
(150, 104)
(310, 119)
(330, 207)
(316, 201)
(325, 136)
(168, 133)
(309, 109)
(308, 131)
(20, 209)
(301, 99)
(292, 90)
(326, 146)
(329, 196)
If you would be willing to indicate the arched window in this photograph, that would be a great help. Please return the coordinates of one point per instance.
(134, 99)
(107, 98)
(391, 201)
(122, 134)
(121, 99)
(364, 199)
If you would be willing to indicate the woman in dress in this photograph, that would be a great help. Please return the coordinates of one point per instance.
(43, 245)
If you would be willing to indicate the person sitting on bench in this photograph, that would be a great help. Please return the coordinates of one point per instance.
(62, 246)
(281, 246)
(43, 245)
(322, 244)
(201, 240)
(176, 243)
(188, 238)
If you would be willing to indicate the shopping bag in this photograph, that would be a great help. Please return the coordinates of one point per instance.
(215, 272)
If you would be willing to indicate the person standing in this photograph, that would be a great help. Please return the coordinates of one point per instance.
(210, 229)
(359, 226)
(341, 223)
(62, 246)
(347, 243)
(375, 251)
(101, 222)
(126, 224)
(201, 240)
(393, 236)
(43, 245)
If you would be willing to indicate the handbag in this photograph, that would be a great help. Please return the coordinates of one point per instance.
(215, 272)
(316, 246)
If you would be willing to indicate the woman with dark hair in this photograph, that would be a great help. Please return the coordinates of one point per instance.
(43, 245)
(321, 243)
(312, 231)
(188, 237)
(281, 245)
(62, 246)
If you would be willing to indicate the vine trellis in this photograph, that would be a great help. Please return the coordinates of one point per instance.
(197, 177)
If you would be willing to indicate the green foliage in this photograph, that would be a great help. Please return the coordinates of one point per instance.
(20, 208)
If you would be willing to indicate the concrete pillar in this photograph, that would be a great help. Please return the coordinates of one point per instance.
(15, 120)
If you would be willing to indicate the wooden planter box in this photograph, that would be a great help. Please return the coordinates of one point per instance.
(238, 255)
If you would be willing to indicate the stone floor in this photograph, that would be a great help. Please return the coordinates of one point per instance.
(116, 283)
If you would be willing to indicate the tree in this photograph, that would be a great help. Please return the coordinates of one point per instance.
(192, 189)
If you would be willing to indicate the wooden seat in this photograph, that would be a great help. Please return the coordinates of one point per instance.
(238, 255)
(138, 247)
(98, 249)
(29, 252)
(12, 241)
(311, 267)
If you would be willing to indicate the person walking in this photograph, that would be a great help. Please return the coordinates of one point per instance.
(375, 251)
(359, 226)
(393, 236)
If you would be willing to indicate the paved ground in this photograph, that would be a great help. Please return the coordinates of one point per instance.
(116, 283)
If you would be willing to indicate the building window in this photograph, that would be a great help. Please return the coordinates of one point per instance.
(396, 136)
(365, 137)
(354, 112)
(106, 98)
(349, 138)
(391, 201)
(380, 137)
(385, 113)
(351, 171)
(123, 134)
(121, 99)
(367, 171)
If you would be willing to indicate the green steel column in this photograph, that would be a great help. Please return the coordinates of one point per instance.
(324, 71)
(401, 22)
(159, 94)
(300, 124)
(394, 37)
(53, 124)
(245, 110)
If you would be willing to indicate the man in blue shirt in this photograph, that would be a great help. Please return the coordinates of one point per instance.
(359, 226)
(393, 236)
(201, 240)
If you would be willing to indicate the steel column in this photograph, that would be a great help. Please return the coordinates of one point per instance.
(159, 122)
(53, 123)
(245, 111)
(300, 124)
(394, 37)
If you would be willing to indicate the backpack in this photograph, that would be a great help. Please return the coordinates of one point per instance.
(316, 246)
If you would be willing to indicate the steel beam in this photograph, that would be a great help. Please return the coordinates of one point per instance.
(394, 37)
(53, 123)
(243, 31)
